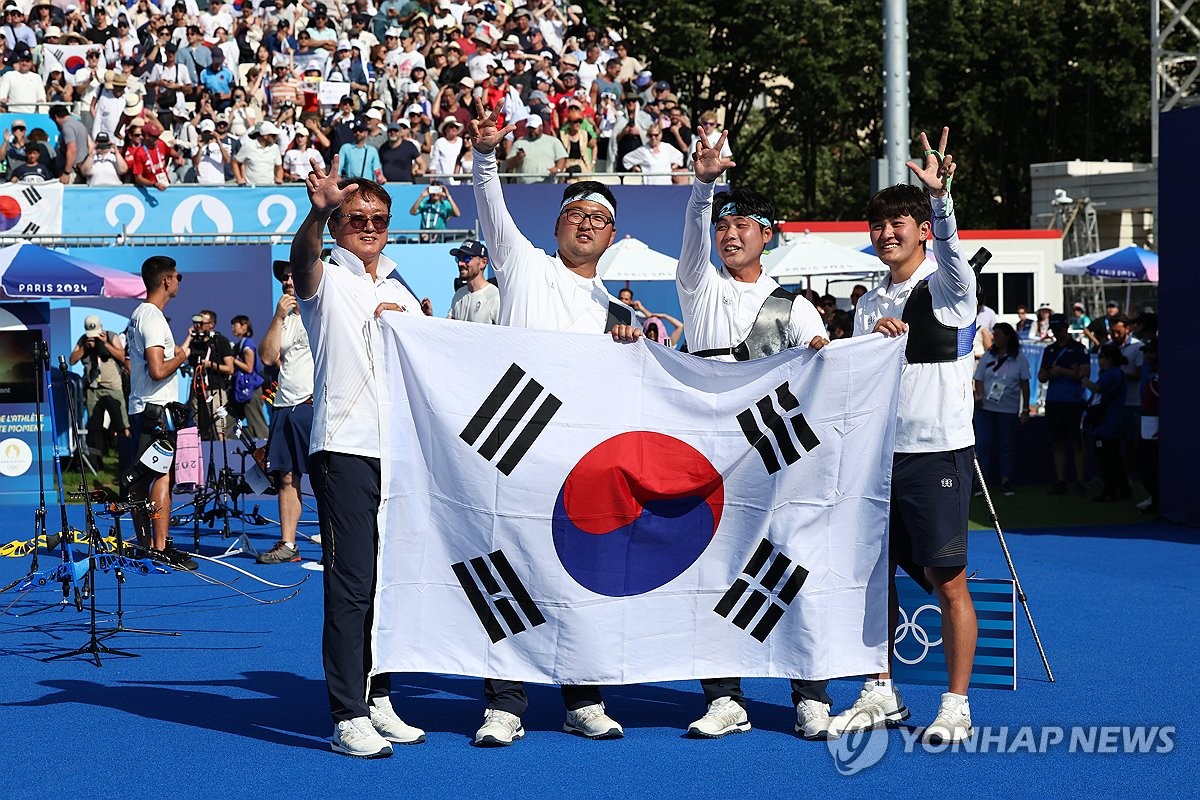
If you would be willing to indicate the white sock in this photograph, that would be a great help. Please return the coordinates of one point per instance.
(882, 686)
(961, 698)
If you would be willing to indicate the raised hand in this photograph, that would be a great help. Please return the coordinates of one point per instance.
(938, 166)
(483, 131)
(323, 191)
(707, 161)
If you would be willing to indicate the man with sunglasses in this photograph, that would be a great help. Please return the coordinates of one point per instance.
(739, 313)
(340, 300)
(560, 292)
(477, 299)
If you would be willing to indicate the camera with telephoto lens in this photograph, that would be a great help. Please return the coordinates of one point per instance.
(200, 342)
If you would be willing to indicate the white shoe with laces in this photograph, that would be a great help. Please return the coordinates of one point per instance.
(952, 723)
(390, 726)
(872, 709)
(358, 738)
(724, 716)
(499, 729)
(591, 722)
(812, 719)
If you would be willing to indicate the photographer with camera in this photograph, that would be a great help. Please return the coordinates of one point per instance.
(211, 360)
(154, 360)
(104, 359)
(104, 166)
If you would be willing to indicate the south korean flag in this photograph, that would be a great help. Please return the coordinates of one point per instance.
(564, 508)
(30, 209)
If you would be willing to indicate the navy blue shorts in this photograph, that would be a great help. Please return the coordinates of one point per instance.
(287, 445)
(931, 502)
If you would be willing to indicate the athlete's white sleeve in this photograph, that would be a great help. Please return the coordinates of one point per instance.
(507, 246)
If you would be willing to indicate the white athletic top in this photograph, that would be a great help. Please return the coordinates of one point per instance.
(346, 345)
(536, 289)
(936, 401)
(148, 328)
(719, 311)
(295, 364)
(482, 306)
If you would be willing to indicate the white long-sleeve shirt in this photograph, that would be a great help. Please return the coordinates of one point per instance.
(536, 289)
(936, 400)
(719, 311)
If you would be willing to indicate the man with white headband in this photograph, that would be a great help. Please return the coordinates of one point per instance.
(559, 292)
(739, 313)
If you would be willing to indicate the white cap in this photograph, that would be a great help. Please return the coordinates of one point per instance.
(344, 44)
(415, 108)
(280, 60)
(207, 125)
(534, 121)
(266, 128)
(375, 113)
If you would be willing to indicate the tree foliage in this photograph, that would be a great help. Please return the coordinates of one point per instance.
(800, 84)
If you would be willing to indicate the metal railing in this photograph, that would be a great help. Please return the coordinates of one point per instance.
(414, 236)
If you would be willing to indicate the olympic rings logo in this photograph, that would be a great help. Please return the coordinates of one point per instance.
(919, 634)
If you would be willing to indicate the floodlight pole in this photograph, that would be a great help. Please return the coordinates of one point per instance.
(896, 136)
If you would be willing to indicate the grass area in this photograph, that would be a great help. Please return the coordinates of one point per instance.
(1032, 507)
(105, 477)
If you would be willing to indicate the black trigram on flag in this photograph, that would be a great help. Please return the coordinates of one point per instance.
(32, 195)
(770, 579)
(508, 417)
(777, 430)
(31, 229)
(492, 587)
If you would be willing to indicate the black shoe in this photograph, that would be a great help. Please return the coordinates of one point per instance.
(174, 558)
(1006, 489)
(1059, 488)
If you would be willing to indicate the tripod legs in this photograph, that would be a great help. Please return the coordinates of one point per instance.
(987, 496)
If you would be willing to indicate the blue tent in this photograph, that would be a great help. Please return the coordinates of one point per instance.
(1129, 263)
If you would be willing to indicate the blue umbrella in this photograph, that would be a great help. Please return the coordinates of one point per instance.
(29, 271)
(1129, 263)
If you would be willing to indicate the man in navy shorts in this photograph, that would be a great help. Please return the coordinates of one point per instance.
(935, 441)
(285, 344)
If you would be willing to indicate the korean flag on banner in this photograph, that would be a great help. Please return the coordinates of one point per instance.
(72, 60)
(563, 508)
(29, 209)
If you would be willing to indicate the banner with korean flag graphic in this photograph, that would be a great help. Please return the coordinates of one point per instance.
(564, 508)
(72, 60)
(28, 209)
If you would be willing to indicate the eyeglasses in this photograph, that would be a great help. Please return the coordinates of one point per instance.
(358, 222)
(654, 135)
(576, 217)
(709, 123)
(178, 276)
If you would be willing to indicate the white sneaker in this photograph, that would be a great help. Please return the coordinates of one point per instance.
(1142, 506)
(871, 710)
(952, 723)
(500, 729)
(812, 719)
(390, 726)
(358, 738)
(724, 716)
(592, 722)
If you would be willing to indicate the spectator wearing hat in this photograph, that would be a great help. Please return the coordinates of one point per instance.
(1100, 330)
(1079, 323)
(433, 207)
(320, 31)
(629, 130)
(21, 89)
(376, 130)
(283, 86)
(108, 106)
(15, 31)
(297, 161)
(1064, 364)
(455, 68)
(150, 155)
(540, 157)
(481, 63)
(446, 148)
(104, 166)
(260, 163)
(218, 80)
(477, 299)
(579, 139)
(400, 155)
(357, 159)
(212, 157)
(406, 57)
(103, 357)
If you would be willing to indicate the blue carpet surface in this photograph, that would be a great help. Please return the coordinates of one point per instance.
(235, 705)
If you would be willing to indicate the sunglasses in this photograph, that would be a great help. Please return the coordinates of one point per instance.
(358, 222)
(178, 277)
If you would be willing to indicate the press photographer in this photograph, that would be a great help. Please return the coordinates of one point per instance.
(210, 359)
(103, 357)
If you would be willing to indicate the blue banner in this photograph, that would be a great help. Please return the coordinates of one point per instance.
(918, 653)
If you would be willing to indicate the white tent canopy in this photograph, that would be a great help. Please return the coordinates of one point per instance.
(812, 255)
(631, 259)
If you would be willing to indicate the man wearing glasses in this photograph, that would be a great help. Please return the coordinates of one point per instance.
(739, 313)
(340, 301)
(559, 292)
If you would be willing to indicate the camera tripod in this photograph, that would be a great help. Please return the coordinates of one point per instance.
(221, 487)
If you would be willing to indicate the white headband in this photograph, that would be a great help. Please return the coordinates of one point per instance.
(590, 197)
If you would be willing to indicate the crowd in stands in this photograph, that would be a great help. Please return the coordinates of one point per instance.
(202, 91)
